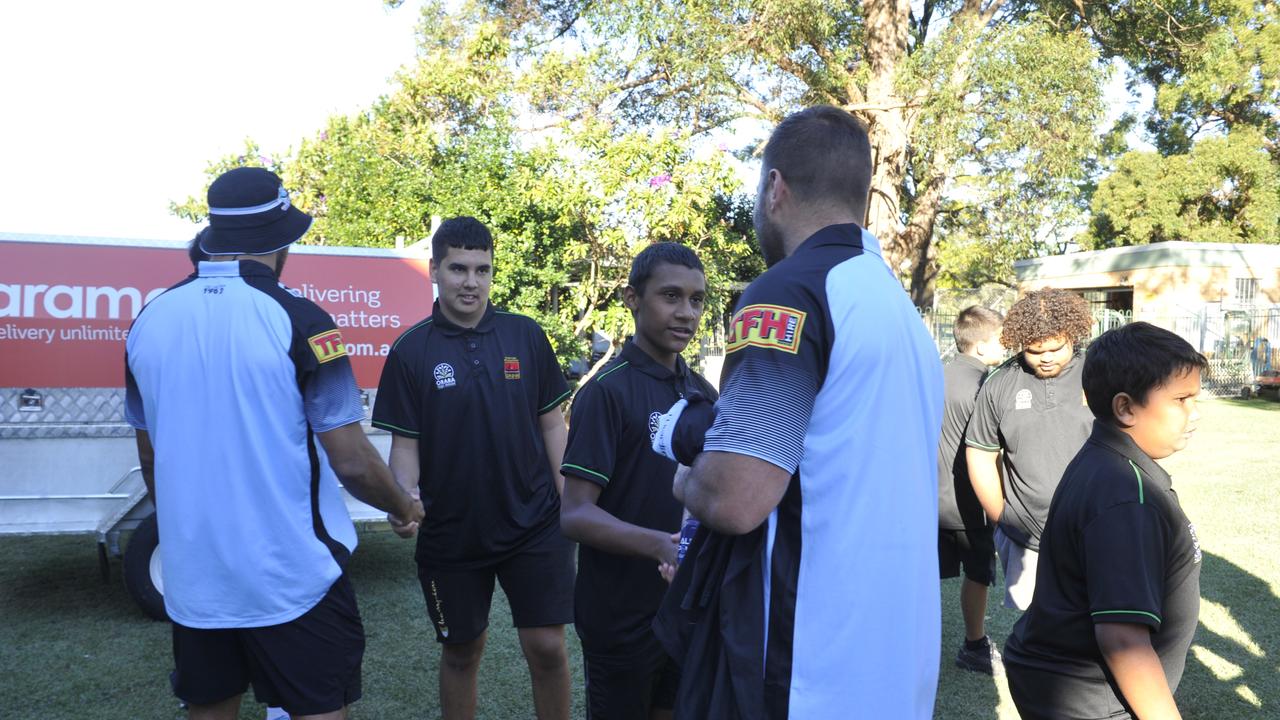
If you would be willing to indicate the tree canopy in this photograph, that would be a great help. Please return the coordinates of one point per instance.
(581, 131)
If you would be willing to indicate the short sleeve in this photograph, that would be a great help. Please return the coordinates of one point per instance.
(1124, 560)
(776, 358)
(595, 425)
(396, 407)
(552, 388)
(330, 397)
(983, 431)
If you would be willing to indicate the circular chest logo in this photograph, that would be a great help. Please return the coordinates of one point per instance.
(444, 376)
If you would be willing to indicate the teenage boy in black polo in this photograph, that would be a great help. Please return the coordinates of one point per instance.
(964, 536)
(1118, 592)
(1029, 421)
(617, 499)
(472, 396)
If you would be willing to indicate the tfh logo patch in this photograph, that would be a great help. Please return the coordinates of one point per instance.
(511, 368)
(773, 327)
(327, 345)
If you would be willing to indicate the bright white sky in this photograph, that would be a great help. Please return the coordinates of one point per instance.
(109, 110)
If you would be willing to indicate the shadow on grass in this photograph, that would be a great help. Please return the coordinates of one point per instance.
(964, 695)
(1232, 668)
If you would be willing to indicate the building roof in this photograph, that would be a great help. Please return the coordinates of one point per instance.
(1254, 257)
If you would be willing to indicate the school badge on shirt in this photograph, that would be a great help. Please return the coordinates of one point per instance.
(1022, 401)
(511, 368)
(444, 376)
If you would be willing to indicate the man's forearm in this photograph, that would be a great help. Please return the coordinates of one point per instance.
(375, 485)
(1127, 650)
(984, 475)
(731, 493)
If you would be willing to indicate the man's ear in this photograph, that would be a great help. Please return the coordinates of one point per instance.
(1124, 408)
(631, 298)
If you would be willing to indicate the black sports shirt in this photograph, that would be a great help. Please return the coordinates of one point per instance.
(958, 506)
(614, 417)
(1039, 424)
(1116, 548)
(472, 397)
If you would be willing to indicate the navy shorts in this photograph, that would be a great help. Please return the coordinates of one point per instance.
(975, 550)
(538, 582)
(308, 666)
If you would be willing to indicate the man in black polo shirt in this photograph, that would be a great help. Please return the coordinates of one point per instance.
(472, 397)
(617, 500)
(1031, 418)
(1118, 593)
(964, 536)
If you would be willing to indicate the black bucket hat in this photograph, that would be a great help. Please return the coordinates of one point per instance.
(250, 214)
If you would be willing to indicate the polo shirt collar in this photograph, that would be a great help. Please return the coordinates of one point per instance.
(448, 327)
(1069, 367)
(640, 360)
(846, 234)
(1111, 437)
(972, 361)
(227, 268)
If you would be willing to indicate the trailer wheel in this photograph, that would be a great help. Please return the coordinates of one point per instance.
(142, 569)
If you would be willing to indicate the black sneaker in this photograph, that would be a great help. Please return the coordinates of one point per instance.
(985, 659)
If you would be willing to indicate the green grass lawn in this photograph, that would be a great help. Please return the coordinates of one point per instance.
(73, 647)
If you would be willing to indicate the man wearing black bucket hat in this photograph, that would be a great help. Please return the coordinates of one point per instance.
(247, 415)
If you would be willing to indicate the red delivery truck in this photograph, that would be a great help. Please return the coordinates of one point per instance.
(68, 463)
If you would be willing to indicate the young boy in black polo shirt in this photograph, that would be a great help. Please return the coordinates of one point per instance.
(964, 536)
(1118, 587)
(617, 496)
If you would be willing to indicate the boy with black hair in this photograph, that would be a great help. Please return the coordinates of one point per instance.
(964, 536)
(472, 397)
(1118, 590)
(617, 498)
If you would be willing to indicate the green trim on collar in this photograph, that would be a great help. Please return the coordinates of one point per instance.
(1138, 474)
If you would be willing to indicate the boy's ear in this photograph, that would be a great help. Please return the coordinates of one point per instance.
(631, 298)
(1124, 408)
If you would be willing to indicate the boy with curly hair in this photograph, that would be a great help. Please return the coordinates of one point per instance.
(1030, 420)
(1119, 584)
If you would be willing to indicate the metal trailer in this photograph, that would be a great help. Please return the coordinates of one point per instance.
(68, 460)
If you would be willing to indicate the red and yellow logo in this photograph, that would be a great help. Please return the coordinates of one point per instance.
(327, 345)
(511, 367)
(772, 327)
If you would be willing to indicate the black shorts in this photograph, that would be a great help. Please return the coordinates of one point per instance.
(308, 666)
(974, 549)
(628, 687)
(538, 582)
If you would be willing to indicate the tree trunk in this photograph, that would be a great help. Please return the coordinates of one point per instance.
(884, 111)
